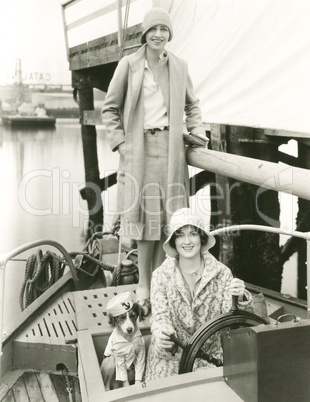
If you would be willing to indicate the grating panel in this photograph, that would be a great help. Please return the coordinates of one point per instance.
(91, 306)
(54, 327)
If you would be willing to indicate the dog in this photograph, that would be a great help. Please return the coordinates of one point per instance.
(124, 357)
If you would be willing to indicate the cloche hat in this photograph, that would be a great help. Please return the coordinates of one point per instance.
(156, 16)
(183, 217)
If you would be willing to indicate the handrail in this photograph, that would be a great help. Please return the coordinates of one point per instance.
(269, 175)
(13, 253)
(262, 228)
(27, 246)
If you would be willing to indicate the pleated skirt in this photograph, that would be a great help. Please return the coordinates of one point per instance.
(154, 189)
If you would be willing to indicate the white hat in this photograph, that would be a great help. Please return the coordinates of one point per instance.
(183, 217)
(120, 304)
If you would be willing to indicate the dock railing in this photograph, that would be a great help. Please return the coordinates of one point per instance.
(85, 21)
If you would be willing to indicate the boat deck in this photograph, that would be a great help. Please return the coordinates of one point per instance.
(51, 337)
(60, 337)
(50, 340)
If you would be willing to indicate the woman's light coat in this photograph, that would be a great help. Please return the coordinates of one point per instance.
(123, 117)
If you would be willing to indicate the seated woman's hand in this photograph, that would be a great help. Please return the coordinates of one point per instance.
(163, 337)
(237, 288)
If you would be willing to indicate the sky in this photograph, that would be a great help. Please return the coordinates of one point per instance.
(32, 30)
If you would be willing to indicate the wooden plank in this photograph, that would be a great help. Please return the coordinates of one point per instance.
(92, 118)
(200, 386)
(76, 389)
(298, 136)
(8, 381)
(83, 386)
(60, 386)
(91, 370)
(90, 17)
(47, 360)
(6, 359)
(47, 387)
(269, 175)
(104, 50)
(19, 390)
(286, 133)
(32, 386)
(9, 397)
(305, 141)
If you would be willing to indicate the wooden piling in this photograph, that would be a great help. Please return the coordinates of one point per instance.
(252, 256)
(303, 211)
(92, 190)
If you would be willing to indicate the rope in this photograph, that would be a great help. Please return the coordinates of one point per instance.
(116, 281)
(41, 272)
(120, 271)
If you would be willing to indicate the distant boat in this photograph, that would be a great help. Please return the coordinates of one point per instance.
(26, 121)
(26, 114)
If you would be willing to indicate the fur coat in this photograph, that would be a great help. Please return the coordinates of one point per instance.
(173, 306)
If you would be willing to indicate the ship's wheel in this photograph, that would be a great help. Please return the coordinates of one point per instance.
(232, 320)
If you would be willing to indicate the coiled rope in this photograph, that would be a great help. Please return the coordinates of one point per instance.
(41, 272)
(116, 281)
(119, 272)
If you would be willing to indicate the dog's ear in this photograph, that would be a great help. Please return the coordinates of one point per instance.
(111, 320)
(139, 311)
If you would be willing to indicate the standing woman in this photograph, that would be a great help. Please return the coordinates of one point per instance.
(143, 114)
(190, 288)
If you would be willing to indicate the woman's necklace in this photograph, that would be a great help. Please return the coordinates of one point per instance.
(194, 273)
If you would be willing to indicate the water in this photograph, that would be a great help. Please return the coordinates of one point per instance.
(41, 172)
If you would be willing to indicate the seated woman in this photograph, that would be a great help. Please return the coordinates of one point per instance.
(188, 289)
